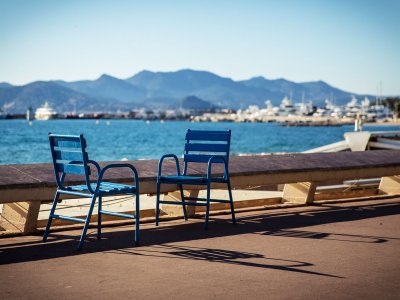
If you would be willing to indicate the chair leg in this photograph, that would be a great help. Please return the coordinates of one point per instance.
(53, 209)
(85, 228)
(137, 219)
(99, 218)
(157, 202)
(183, 202)
(207, 206)
(231, 202)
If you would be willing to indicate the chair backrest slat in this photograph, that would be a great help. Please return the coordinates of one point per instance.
(208, 135)
(78, 169)
(65, 141)
(223, 148)
(199, 158)
(69, 156)
(201, 145)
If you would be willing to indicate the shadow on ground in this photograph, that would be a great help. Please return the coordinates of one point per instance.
(274, 223)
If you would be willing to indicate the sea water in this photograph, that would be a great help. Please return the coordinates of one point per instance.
(22, 142)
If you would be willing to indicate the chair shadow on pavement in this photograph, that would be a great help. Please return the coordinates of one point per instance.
(246, 259)
(158, 241)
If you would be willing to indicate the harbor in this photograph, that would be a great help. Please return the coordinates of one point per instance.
(288, 113)
(305, 114)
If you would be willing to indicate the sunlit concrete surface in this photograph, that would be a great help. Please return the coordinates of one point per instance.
(344, 250)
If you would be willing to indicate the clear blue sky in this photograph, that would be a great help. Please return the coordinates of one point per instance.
(351, 44)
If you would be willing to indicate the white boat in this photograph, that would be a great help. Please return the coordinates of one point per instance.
(304, 109)
(286, 108)
(329, 110)
(366, 110)
(270, 109)
(45, 112)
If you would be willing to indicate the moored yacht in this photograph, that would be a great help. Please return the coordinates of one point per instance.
(45, 112)
(286, 108)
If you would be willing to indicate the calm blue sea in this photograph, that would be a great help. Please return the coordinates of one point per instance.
(132, 139)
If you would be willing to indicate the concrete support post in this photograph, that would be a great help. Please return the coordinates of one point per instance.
(390, 185)
(20, 216)
(301, 192)
(176, 210)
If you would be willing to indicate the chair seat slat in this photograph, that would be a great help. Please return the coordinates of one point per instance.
(104, 187)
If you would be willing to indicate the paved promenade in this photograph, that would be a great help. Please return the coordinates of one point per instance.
(329, 251)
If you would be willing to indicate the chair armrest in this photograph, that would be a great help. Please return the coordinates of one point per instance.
(124, 165)
(96, 165)
(98, 169)
(168, 156)
(212, 160)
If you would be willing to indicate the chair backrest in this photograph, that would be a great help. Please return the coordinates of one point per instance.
(201, 145)
(69, 157)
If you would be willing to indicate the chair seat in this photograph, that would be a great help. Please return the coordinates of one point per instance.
(105, 187)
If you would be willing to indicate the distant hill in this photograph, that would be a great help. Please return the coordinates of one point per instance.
(317, 91)
(63, 99)
(159, 90)
(108, 87)
(177, 84)
(5, 84)
(218, 90)
(193, 102)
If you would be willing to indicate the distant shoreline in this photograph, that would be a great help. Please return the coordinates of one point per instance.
(279, 120)
(388, 123)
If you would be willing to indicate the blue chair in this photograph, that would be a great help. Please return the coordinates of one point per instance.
(70, 157)
(211, 147)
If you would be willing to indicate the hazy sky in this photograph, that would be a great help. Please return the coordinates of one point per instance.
(351, 44)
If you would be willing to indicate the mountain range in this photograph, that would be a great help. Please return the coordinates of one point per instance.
(163, 90)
